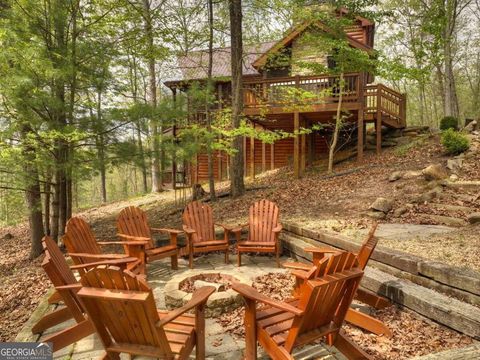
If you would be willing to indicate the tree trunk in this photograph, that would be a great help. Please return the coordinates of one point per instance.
(142, 159)
(33, 198)
(237, 186)
(211, 175)
(55, 219)
(338, 125)
(47, 188)
(152, 99)
(101, 149)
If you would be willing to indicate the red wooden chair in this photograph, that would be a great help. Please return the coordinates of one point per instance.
(132, 225)
(199, 226)
(83, 248)
(263, 230)
(335, 261)
(66, 285)
(123, 310)
(317, 313)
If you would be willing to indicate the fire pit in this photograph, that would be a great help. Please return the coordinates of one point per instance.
(179, 289)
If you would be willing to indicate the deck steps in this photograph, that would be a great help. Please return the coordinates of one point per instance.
(434, 305)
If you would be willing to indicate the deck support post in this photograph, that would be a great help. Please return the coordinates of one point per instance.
(244, 156)
(252, 157)
(296, 144)
(311, 148)
(264, 157)
(303, 149)
(378, 131)
(360, 135)
(272, 155)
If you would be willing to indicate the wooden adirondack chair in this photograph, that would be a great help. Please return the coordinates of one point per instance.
(83, 248)
(123, 311)
(263, 230)
(337, 260)
(199, 226)
(318, 312)
(66, 285)
(132, 225)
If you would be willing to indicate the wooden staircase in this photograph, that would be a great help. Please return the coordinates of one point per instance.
(387, 103)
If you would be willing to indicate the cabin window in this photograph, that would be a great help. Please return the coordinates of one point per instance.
(331, 63)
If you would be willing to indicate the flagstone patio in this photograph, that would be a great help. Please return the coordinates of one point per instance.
(219, 344)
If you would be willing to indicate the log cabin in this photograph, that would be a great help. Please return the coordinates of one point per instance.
(264, 84)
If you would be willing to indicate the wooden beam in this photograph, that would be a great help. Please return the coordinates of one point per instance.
(264, 157)
(303, 149)
(252, 157)
(219, 159)
(272, 156)
(296, 145)
(244, 156)
(360, 135)
(311, 149)
(378, 130)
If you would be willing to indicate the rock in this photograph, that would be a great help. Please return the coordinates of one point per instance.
(471, 126)
(454, 164)
(379, 215)
(389, 143)
(411, 134)
(419, 128)
(404, 140)
(447, 220)
(382, 204)
(411, 174)
(453, 177)
(428, 196)
(396, 175)
(8, 236)
(400, 211)
(434, 172)
(474, 218)
(200, 283)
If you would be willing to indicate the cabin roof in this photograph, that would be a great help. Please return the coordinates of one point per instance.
(194, 66)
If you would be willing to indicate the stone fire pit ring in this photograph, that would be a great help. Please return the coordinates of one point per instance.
(218, 303)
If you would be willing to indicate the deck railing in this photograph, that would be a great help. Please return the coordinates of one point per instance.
(379, 98)
(299, 89)
(312, 90)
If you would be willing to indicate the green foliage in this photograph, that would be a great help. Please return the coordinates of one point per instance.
(455, 142)
(449, 122)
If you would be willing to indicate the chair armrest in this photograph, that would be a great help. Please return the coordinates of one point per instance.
(166, 230)
(76, 286)
(99, 256)
(277, 228)
(297, 266)
(188, 231)
(322, 250)
(106, 262)
(199, 297)
(126, 242)
(143, 239)
(250, 293)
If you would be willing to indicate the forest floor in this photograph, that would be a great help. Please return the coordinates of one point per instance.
(339, 203)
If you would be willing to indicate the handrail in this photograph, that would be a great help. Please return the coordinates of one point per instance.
(379, 98)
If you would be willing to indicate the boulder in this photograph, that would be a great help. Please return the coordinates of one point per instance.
(396, 175)
(434, 172)
(474, 218)
(400, 211)
(453, 177)
(378, 215)
(411, 174)
(471, 126)
(455, 164)
(382, 204)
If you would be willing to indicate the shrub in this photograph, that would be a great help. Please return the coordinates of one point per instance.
(449, 122)
(455, 142)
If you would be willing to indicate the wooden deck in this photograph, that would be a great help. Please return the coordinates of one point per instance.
(320, 94)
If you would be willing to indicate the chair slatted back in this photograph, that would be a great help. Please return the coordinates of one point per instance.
(367, 247)
(79, 237)
(199, 217)
(325, 301)
(123, 310)
(60, 274)
(134, 222)
(263, 218)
